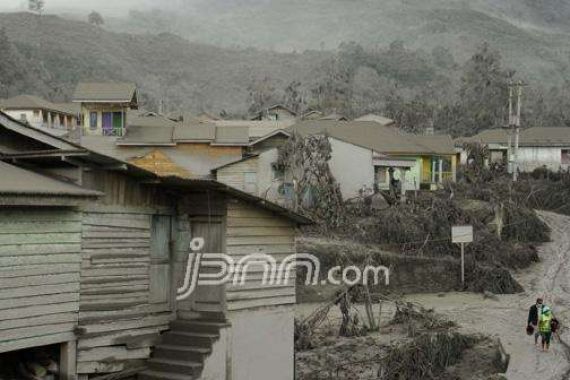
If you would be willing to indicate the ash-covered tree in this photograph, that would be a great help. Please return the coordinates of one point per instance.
(262, 94)
(315, 191)
(484, 91)
(36, 6)
(95, 18)
(294, 97)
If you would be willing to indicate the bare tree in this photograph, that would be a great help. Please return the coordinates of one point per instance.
(36, 6)
(95, 18)
(316, 192)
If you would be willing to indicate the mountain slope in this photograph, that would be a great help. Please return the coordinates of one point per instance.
(532, 35)
(186, 75)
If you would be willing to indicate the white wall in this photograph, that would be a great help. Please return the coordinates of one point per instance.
(35, 121)
(262, 344)
(351, 166)
(265, 181)
(532, 158)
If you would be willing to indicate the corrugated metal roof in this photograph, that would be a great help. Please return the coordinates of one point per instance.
(257, 128)
(232, 136)
(25, 182)
(147, 135)
(105, 92)
(376, 118)
(23, 102)
(382, 139)
(536, 136)
(148, 119)
(195, 132)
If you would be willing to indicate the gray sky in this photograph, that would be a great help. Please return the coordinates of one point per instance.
(108, 7)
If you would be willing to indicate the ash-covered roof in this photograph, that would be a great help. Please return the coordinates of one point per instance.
(381, 139)
(536, 136)
(32, 102)
(105, 92)
(20, 181)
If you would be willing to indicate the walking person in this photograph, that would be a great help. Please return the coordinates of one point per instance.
(533, 318)
(545, 327)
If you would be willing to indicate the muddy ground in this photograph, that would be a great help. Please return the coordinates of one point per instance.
(500, 316)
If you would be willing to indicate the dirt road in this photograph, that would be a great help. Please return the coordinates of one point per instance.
(505, 316)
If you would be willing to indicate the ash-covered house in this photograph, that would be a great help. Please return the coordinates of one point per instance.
(538, 147)
(185, 148)
(56, 118)
(93, 249)
(366, 156)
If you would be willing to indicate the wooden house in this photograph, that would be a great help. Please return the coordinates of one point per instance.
(41, 113)
(187, 148)
(104, 106)
(538, 147)
(276, 112)
(92, 269)
(383, 153)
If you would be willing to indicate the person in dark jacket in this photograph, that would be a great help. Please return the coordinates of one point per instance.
(534, 316)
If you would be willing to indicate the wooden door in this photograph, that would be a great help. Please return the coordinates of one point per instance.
(117, 123)
(107, 123)
(160, 260)
(210, 297)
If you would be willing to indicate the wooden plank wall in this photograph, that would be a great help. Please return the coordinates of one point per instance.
(40, 256)
(119, 321)
(254, 230)
(233, 175)
(120, 189)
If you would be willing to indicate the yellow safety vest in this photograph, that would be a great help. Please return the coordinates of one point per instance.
(544, 323)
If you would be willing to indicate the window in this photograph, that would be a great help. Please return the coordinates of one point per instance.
(565, 156)
(278, 171)
(23, 117)
(93, 120)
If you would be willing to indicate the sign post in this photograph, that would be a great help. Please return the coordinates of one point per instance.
(462, 235)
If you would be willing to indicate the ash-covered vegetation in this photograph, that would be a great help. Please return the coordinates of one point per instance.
(459, 89)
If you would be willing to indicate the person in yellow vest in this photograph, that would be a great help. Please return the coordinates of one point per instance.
(545, 328)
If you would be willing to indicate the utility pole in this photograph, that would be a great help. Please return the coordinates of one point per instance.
(509, 132)
(514, 128)
(517, 132)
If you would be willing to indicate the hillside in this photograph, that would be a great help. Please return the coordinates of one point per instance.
(533, 36)
(60, 52)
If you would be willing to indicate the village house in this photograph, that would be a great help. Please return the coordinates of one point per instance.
(277, 112)
(538, 147)
(376, 118)
(258, 174)
(165, 147)
(93, 250)
(382, 154)
(257, 128)
(104, 107)
(312, 115)
(40, 113)
(366, 157)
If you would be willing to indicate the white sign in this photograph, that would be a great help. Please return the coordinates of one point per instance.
(462, 234)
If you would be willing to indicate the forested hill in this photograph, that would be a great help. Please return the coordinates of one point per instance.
(459, 94)
(532, 35)
(47, 55)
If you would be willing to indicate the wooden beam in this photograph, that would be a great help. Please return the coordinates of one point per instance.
(46, 153)
(68, 361)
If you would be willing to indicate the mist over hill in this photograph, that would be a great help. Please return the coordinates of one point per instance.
(56, 53)
(531, 35)
(411, 60)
